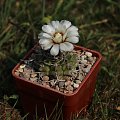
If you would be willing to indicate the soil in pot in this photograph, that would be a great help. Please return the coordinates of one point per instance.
(64, 72)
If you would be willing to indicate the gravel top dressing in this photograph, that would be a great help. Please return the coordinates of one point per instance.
(63, 73)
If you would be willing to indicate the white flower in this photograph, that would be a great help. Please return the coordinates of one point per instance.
(58, 37)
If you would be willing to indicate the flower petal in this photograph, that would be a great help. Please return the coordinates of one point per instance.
(66, 46)
(47, 46)
(45, 43)
(73, 39)
(44, 35)
(54, 50)
(64, 36)
(72, 28)
(61, 29)
(55, 24)
(66, 23)
(48, 29)
(72, 31)
(58, 26)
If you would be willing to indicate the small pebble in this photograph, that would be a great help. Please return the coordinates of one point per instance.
(45, 78)
(20, 70)
(70, 92)
(94, 58)
(69, 88)
(86, 70)
(57, 87)
(84, 61)
(90, 59)
(80, 77)
(67, 83)
(52, 82)
(74, 74)
(33, 79)
(28, 70)
(78, 81)
(75, 85)
(89, 66)
(47, 85)
(89, 54)
(33, 75)
(61, 84)
(17, 73)
(22, 66)
(65, 91)
(83, 57)
(26, 75)
(44, 83)
(67, 78)
(61, 90)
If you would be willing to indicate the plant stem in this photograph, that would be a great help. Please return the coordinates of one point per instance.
(43, 9)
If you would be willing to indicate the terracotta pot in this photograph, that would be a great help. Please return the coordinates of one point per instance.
(33, 95)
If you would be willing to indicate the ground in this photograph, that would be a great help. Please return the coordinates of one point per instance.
(99, 29)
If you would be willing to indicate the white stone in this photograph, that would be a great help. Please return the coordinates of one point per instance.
(84, 61)
(90, 59)
(33, 75)
(89, 54)
(17, 73)
(22, 66)
(80, 77)
(83, 57)
(86, 69)
(45, 78)
(52, 82)
(57, 88)
(33, 79)
(67, 83)
(75, 85)
(78, 81)
(69, 88)
(20, 70)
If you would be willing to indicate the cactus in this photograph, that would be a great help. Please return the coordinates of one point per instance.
(61, 65)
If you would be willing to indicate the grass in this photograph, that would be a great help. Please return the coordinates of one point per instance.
(99, 28)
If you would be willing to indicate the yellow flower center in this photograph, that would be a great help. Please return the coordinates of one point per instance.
(57, 38)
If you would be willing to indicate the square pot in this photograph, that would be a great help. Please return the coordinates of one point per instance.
(35, 95)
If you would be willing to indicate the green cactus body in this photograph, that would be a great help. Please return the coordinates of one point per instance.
(62, 65)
